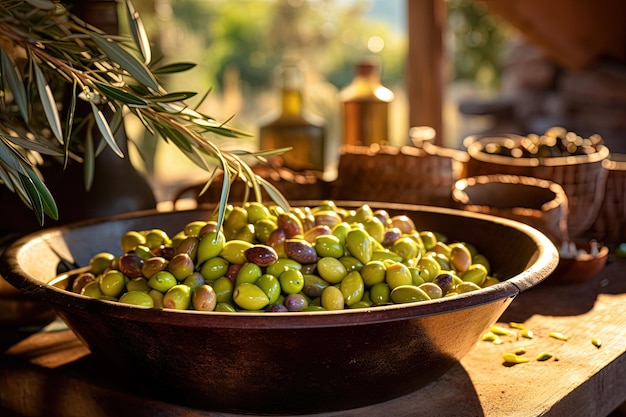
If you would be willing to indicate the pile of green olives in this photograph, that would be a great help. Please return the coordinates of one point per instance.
(267, 259)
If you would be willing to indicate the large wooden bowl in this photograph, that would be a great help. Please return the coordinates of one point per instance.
(281, 363)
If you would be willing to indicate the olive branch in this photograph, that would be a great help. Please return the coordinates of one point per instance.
(46, 51)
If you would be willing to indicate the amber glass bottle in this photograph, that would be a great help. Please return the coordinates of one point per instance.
(294, 127)
(365, 104)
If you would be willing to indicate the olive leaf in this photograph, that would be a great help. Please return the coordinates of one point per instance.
(173, 68)
(120, 95)
(138, 32)
(43, 195)
(126, 61)
(173, 97)
(89, 159)
(105, 130)
(12, 76)
(48, 102)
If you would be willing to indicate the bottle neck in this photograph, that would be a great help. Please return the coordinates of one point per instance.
(291, 93)
(291, 101)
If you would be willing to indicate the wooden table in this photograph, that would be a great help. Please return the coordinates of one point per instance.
(50, 373)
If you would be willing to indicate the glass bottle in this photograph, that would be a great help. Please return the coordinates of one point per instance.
(365, 104)
(294, 127)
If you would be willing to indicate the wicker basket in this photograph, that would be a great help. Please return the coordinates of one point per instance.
(610, 224)
(404, 174)
(536, 202)
(583, 178)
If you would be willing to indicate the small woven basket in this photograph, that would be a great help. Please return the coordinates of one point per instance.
(610, 224)
(583, 178)
(536, 202)
(406, 174)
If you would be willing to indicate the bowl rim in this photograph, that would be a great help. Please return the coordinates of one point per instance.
(544, 263)
(474, 150)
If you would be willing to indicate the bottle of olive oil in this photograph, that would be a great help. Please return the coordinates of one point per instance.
(295, 127)
(365, 104)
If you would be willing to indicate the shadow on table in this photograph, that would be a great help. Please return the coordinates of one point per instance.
(568, 299)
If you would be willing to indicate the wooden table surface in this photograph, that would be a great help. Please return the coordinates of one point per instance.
(50, 373)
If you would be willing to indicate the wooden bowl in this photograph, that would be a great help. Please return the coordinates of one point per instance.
(539, 203)
(281, 363)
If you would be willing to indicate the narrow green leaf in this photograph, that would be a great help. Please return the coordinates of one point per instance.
(120, 95)
(34, 199)
(42, 4)
(172, 97)
(274, 193)
(49, 103)
(15, 83)
(105, 130)
(126, 61)
(90, 159)
(138, 32)
(180, 140)
(49, 205)
(8, 156)
(40, 147)
(174, 68)
(70, 121)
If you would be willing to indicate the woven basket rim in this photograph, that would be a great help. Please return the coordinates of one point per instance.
(475, 152)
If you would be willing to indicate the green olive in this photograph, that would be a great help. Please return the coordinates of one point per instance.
(249, 273)
(341, 231)
(373, 273)
(256, 211)
(466, 287)
(476, 273)
(223, 288)
(328, 245)
(352, 288)
(138, 284)
(385, 255)
(397, 275)
(416, 276)
(234, 251)
(429, 239)
(236, 219)
(380, 293)
(351, 263)
(210, 246)
(189, 245)
(162, 281)
(194, 280)
(214, 268)
(246, 233)
(331, 269)
(81, 281)
(225, 307)
(92, 289)
(113, 283)
(250, 297)
(156, 238)
(406, 248)
(332, 298)
(433, 290)
(281, 265)
(375, 228)
(408, 294)
(193, 228)
(263, 228)
(291, 281)
(270, 286)
(482, 259)
(157, 298)
(131, 239)
(359, 244)
(101, 262)
(138, 298)
(178, 297)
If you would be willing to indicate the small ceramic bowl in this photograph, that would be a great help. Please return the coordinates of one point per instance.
(579, 263)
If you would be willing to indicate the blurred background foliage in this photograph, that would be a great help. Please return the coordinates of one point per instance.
(238, 45)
